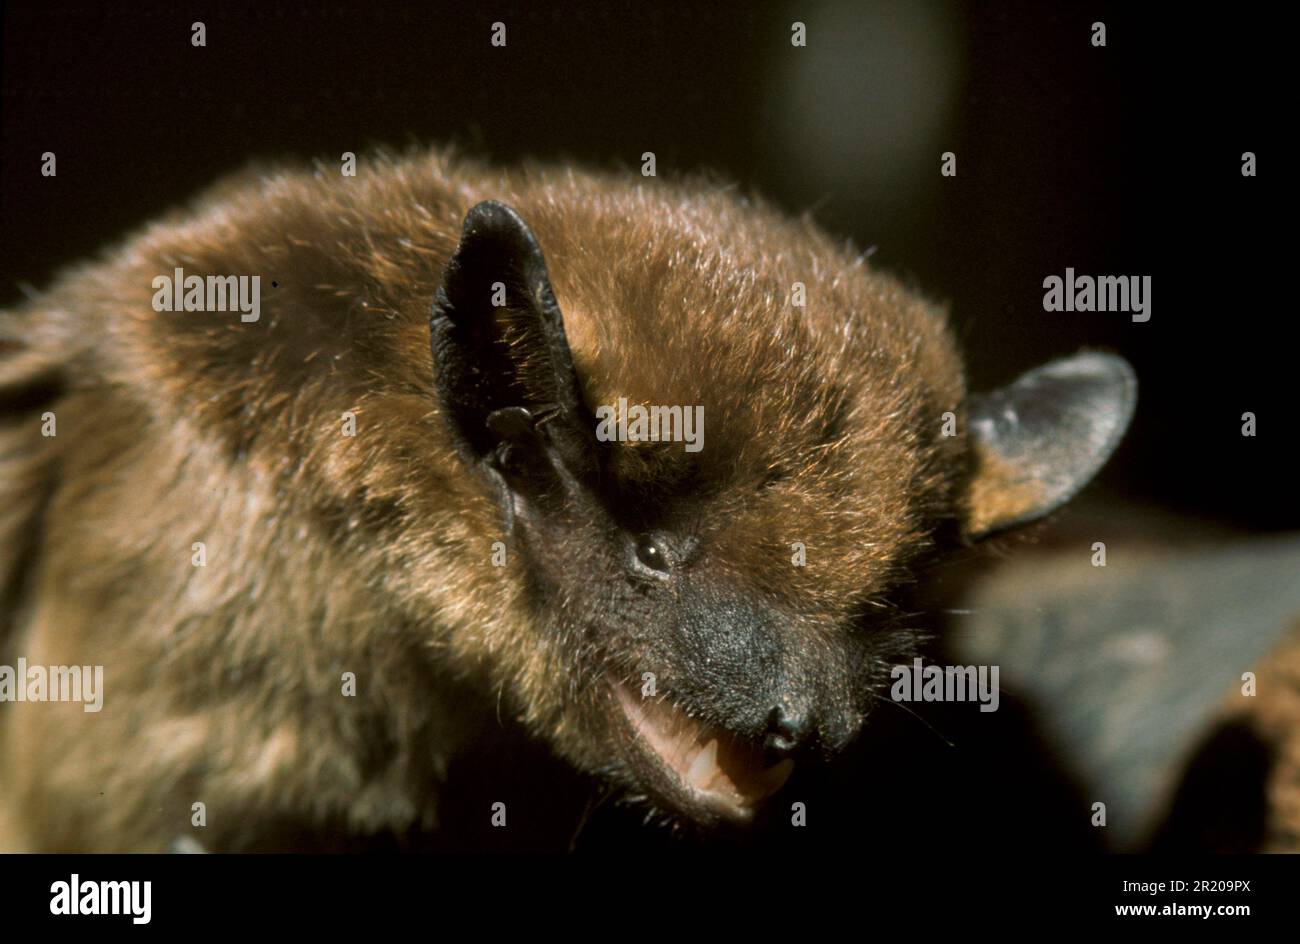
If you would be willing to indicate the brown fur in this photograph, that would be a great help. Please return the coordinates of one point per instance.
(1272, 716)
(329, 554)
(999, 492)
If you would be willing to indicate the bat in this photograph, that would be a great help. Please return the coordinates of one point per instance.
(334, 477)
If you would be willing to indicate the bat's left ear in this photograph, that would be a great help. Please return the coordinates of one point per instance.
(501, 358)
(1036, 442)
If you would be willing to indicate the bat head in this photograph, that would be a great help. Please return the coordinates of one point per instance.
(717, 445)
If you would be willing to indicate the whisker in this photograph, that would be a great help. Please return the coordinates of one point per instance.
(903, 707)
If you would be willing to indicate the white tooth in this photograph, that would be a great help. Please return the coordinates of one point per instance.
(704, 767)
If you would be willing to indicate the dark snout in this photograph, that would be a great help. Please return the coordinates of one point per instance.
(751, 670)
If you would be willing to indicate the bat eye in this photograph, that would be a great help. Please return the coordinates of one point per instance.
(651, 555)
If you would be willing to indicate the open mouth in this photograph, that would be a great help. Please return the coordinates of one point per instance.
(712, 767)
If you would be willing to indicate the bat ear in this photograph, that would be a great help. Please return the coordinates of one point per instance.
(502, 364)
(1036, 442)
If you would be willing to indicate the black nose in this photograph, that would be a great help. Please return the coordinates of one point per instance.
(788, 732)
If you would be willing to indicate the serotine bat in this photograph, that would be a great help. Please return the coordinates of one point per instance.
(391, 480)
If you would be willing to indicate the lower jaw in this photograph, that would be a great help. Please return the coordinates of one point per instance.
(696, 775)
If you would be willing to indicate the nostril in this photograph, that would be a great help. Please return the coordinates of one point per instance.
(786, 732)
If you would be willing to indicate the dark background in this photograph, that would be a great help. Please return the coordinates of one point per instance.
(1122, 160)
